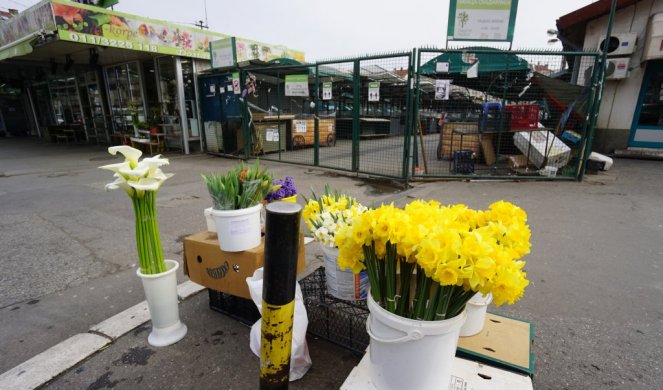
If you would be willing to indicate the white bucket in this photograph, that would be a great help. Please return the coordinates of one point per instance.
(209, 219)
(476, 314)
(238, 230)
(343, 284)
(410, 354)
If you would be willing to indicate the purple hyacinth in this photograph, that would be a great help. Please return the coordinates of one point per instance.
(287, 189)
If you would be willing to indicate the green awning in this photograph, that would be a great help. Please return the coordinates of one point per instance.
(490, 60)
(19, 49)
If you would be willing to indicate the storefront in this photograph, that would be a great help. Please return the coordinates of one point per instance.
(631, 112)
(88, 74)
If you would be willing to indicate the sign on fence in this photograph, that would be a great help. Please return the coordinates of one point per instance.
(481, 20)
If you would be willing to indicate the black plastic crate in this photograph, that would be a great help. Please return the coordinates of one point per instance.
(241, 309)
(463, 161)
(338, 321)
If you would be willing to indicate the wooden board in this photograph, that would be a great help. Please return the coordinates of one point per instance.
(504, 342)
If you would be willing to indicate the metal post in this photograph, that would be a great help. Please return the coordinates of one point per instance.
(278, 293)
(356, 102)
(184, 120)
(599, 93)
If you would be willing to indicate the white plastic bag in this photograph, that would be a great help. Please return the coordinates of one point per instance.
(300, 360)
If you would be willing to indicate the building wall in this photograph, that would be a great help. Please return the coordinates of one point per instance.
(620, 97)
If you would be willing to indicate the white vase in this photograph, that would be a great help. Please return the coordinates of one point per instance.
(343, 284)
(410, 354)
(161, 295)
(238, 230)
(476, 314)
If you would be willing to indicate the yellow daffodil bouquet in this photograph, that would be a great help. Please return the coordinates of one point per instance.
(325, 216)
(425, 261)
(141, 181)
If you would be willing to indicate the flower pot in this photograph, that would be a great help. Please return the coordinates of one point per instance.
(476, 314)
(209, 220)
(161, 295)
(154, 130)
(238, 230)
(343, 284)
(292, 199)
(410, 354)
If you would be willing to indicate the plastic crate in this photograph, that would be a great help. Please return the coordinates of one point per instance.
(523, 116)
(338, 321)
(463, 161)
(241, 309)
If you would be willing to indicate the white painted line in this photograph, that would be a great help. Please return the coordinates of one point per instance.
(187, 289)
(123, 322)
(52, 362)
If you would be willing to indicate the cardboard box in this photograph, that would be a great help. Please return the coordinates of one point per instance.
(542, 148)
(206, 264)
(450, 139)
(504, 342)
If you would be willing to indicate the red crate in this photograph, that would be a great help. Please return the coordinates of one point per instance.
(523, 116)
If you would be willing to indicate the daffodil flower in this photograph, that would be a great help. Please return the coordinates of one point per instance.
(141, 180)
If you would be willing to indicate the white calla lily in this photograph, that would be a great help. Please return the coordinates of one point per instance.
(130, 154)
(159, 175)
(137, 173)
(141, 180)
(120, 182)
(116, 167)
(146, 184)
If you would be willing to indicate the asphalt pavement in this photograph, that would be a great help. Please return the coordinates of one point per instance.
(69, 260)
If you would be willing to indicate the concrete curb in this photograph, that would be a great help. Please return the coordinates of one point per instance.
(54, 361)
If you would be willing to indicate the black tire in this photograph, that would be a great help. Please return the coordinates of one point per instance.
(331, 139)
(298, 141)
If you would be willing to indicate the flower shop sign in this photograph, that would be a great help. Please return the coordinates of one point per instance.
(481, 20)
(97, 26)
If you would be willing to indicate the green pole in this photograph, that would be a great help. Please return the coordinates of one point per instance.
(356, 102)
(601, 79)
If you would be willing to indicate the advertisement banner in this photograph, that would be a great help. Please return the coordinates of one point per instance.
(296, 85)
(102, 27)
(247, 50)
(27, 22)
(223, 53)
(481, 20)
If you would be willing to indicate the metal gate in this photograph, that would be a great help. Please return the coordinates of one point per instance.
(450, 113)
(353, 114)
(487, 113)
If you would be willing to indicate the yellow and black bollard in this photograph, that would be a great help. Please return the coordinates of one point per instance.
(278, 293)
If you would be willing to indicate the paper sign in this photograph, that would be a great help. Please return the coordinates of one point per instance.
(236, 89)
(300, 126)
(229, 88)
(473, 71)
(272, 135)
(223, 53)
(296, 85)
(442, 67)
(326, 91)
(374, 91)
(442, 89)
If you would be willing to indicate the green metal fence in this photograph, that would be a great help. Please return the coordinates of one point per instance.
(462, 113)
(485, 113)
(353, 117)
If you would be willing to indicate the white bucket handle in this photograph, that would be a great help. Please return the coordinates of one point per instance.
(410, 336)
